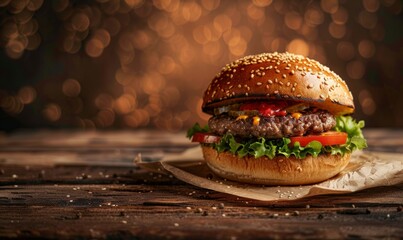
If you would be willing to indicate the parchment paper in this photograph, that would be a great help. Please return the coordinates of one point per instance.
(365, 170)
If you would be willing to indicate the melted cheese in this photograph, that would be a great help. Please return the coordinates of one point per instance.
(296, 115)
(256, 120)
(242, 117)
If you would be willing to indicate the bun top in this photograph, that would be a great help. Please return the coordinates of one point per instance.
(283, 76)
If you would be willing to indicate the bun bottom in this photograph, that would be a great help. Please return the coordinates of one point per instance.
(277, 171)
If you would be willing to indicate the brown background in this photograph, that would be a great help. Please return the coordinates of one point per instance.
(111, 64)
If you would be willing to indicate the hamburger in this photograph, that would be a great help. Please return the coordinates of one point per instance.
(278, 119)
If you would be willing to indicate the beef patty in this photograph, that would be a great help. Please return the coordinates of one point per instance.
(274, 126)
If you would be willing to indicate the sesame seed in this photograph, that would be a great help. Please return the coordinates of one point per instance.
(309, 86)
(252, 75)
(281, 83)
(270, 81)
(321, 96)
(285, 60)
(239, 85)
(292, 89)
(246, 94)
(228, 83)
(284, 76)
(288, 84)
(276, 92)
(299, 95)
(258, 83)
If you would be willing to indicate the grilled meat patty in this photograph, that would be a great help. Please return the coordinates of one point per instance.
(274, 126)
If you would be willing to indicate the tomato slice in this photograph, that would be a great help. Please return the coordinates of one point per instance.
(266, 109)
(326, 139)
(205, 138)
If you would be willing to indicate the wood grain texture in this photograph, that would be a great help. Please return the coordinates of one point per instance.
(85, 199)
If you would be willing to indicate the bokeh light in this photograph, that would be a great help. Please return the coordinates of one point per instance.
(71, 88)
(27, 94)
(145, 64)
(52, 112)
(298, 46)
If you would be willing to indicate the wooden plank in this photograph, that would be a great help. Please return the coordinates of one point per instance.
(37, 175)
(93, 139)
(65, 191)
(157, 210)
(133, 202)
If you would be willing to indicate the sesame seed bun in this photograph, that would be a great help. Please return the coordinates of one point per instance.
(279, 76)
(277, 171)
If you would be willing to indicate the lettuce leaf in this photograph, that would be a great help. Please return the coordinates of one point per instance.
(264, 147)
(195, 129)
(259, 147)
(355, 140)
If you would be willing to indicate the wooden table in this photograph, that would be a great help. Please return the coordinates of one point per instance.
(84, 185)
